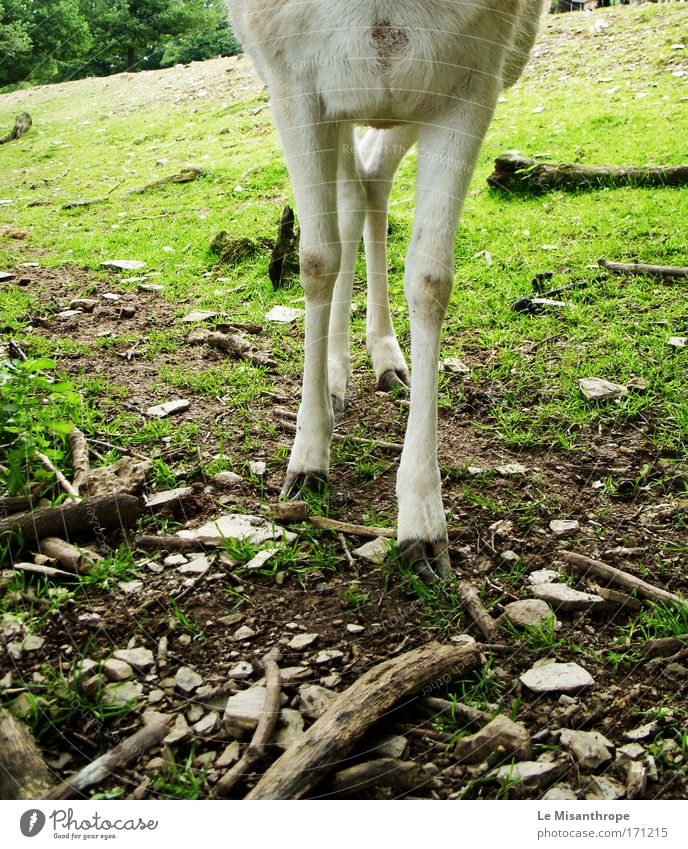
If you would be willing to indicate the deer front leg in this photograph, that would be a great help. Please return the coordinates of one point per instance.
(310, 147)
(447, 155)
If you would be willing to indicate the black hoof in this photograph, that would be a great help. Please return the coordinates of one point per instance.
(429, 560)
(390, 380)
(296, 484)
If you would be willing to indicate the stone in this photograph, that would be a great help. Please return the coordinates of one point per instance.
(604, 788)
(677, 341)
(207, 725)
(187, 679)
(302, 641)
(258, 468)
(643, 732)
(126, 475)
(32, 643)
(140, 658)
(226, 479)
(130, 586)
(529, 613)
(548, 676)
(328, 656)
(389, 746)
(530, 775)
(289, 728)
(158, 500)
(501, 736)
(179, 733)
(284, 315)
(117, 694)
(509, 556)
(353, 628)
(560, 792)
(229, 756)
(451, 365)
(198, 566)
(636, 780)
(151, 287)
(261, 558)
(156, 696)
(241, 671)
(314, 700)
(244, 633)
(175, 560)
(243, 710)
(630, 752)
(591, 749)
(565, 599)
(543, 576)
(290, 674)
(85, 304)
(374, 552)
(161, 411)
(66, 314)
(509, 470)
(562, 527)
(239, 526)
(598, 389)
(112, 297)
(117, 670)
(123, 264)
(196, 316)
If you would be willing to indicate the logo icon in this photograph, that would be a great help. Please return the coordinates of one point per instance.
(32, 822)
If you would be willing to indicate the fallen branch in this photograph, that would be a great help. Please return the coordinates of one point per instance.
(233, 344)
(156, 727)
(80, 461)
(104, 512)
(477, 611)
(13, 504)
(23, 773)
(256, 748)
(354, 711)
(64, 484)
(456, 710)
(385, 772)
(639, 268)
(521, 173)
(664, 646)
(67, 555)
(188, 175)
(22, 125)
(167, 543)
(77, 204)
(583, 565)
(43, 571)
(366, 531)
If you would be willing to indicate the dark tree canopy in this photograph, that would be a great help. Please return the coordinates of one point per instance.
(52, 40)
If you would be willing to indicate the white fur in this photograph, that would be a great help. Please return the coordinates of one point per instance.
(429, 72)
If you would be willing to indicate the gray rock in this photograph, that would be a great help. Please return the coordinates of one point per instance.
(244, 633)
(289, 728)
(226, 479)
(187, 679)
(561, 527)
(677, 341)
(117, 694)
(243, 710)
(531, 775)
(598, 389)
(630, 752)
(123, 264)
(290, 674)
(564, 598)
(529, 613)
(179, 733)
(375, 551)
(328, 656)
(503, 736)
(548, 676)
(315, 700)
(450, 365)
(85, 304)
(591, 749)
(239, 526)
(605, 788)
(283, 315)
(207, 725)
(543, 576)
(353, 628)
(390, 746)
(636, 780)
(643, 732)
(32, 643)
(560, 792)
(198, 566)
(117, 670)
(158, 500)
(229, 756)
(242, 670)
(175, 560)
(509, 470)
(261, 558)
(161, 411)
(302, 641)
(140, 658)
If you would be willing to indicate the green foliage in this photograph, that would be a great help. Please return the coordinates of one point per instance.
(34, 417)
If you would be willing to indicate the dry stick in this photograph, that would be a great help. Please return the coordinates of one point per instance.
(639, 268)
(43, 571)
(256, 748)
(457, 709)
(104, 512)
(67, 555)
(477, 611)
(585, 565)
(156, 727)
(664, 646)
(23, 774)
(354, 711)
(80, 462)
(168, 543)
(513, 171)
(345, 548)
(369, 532)
(392, 447)
(64, 484)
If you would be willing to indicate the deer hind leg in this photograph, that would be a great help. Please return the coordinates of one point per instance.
(311, 147)
(448, 150)
(351, 200)
(381, 153)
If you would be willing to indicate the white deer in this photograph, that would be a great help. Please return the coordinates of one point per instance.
(413, 70)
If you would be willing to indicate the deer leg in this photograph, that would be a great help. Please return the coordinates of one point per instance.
(381, 153)
(448, 151)
(311, 148)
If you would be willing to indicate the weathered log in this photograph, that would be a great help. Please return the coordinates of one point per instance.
(23, 773)
(283, 259)
(664, 646)
(64, 484)
(662, 271)
(167, 543)
(89, 516)
(67, 555)
(354, 711)
(365, 531)
(261, 737)
(188, 175)
(155, 728)
(22, 125)
(385, 772)
(477, 611)
(583, 565)
(14, 504)
(521, 173)
(80, 461)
